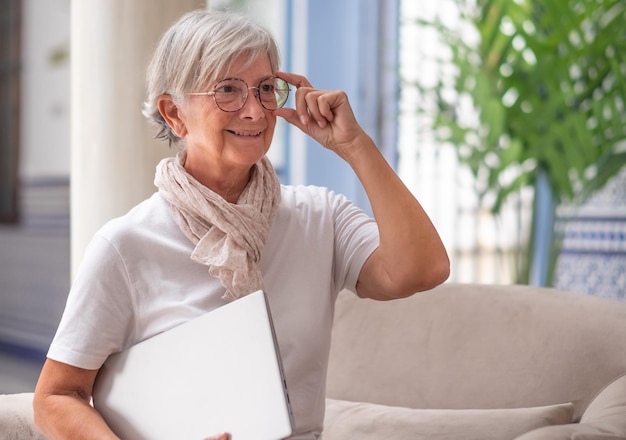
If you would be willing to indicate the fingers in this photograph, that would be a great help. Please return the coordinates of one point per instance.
(312, 106)
(223, 436)
(303, 88)
(292, 78)
(326, 102)
(320, 106)
(310, 103)
(324, 115)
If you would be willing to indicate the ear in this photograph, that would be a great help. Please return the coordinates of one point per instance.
(172, 114)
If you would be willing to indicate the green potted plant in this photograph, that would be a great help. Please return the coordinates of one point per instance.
(547, 82)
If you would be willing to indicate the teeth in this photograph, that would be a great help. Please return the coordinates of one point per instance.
(238, 133)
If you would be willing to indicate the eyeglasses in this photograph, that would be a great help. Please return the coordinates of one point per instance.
(231, 94)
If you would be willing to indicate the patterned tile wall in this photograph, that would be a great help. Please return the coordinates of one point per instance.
(593, 256)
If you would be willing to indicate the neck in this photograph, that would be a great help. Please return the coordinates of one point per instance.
(230, 192)
(228, 183)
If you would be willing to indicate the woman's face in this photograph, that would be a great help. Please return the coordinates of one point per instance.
(229, 140)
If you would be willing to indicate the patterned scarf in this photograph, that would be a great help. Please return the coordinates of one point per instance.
(229, 238)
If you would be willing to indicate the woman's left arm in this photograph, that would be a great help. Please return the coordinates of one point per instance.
(411, 256)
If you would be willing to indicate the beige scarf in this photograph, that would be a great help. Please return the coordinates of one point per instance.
(228, 237)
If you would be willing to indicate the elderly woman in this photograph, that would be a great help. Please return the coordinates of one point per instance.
(221, 225)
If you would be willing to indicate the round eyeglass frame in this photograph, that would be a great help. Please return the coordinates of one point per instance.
(282, 101)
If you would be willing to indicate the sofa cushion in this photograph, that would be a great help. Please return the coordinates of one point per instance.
(367, 421)
(574, 431)
(16, 417)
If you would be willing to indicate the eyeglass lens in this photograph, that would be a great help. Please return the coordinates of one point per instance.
(231, 94)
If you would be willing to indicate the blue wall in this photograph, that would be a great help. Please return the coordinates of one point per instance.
(333, 63)
(343, 49)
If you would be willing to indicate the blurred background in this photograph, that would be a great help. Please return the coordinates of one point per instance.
(505, 118)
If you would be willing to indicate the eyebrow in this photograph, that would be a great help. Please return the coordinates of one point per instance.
(239, 79)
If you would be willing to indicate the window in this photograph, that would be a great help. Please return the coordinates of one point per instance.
(482, 248)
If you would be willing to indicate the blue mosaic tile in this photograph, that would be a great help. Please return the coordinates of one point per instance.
(593, 254)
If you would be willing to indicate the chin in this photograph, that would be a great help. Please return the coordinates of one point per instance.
(249, 160)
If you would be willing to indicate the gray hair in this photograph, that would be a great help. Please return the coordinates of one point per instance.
(193, 53)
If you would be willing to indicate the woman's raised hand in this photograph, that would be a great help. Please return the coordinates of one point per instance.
(324, 115)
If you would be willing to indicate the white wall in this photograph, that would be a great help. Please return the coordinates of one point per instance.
(45, 110)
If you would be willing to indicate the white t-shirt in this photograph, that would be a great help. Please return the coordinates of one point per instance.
(137, 280)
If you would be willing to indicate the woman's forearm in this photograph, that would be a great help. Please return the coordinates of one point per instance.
(411, 256)
(62, 405)
(69, 417)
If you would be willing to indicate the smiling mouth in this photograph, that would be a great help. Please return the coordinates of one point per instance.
(246, 134)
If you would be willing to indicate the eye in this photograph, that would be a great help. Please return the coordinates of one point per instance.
(230, 87)
(266, 88)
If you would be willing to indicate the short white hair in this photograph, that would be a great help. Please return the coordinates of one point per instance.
(195, 51)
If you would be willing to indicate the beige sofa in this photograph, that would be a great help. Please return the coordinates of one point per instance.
(463, 362)
(478, 362)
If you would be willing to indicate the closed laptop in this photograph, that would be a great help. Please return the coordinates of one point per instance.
(220, 372)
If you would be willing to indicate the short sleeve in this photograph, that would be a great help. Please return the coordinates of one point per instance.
(356, 237)
(99, 311)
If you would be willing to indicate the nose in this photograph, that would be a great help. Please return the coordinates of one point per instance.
(252, 108)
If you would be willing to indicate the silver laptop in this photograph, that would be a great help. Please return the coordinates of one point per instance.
(218, 373)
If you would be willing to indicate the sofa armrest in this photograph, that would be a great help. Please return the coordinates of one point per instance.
(604, 418)
(608, 408)
(16, 417)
